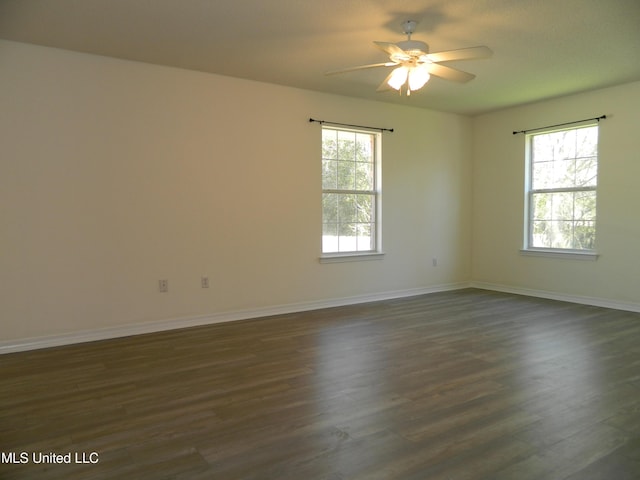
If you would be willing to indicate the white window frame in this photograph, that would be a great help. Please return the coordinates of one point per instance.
(557, 252)
(376, 251)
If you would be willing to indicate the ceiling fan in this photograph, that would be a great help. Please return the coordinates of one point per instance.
(415, 65)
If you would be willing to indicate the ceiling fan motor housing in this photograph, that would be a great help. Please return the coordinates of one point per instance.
(415, 48)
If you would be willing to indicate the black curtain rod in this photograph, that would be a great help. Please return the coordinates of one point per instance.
(348, 125)
(601, 117)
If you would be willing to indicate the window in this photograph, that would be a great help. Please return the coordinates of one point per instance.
(350, 191)
(561, 189)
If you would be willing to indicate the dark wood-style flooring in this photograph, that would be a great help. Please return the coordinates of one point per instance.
(458, 385)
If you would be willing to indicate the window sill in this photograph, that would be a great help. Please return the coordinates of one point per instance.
(565, 254)
(350, 257)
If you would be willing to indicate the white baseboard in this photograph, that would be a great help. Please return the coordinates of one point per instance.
(594, 301)
(34, 343)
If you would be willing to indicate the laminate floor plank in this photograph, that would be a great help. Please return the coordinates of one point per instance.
(461, 385)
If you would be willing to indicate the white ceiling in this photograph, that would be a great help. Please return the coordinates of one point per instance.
(542, 48)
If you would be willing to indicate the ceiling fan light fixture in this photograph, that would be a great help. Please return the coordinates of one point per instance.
(418, 76)
(398, 77)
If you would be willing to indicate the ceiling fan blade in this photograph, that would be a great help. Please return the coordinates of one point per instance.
(470, 53)
(450, 73)
(391, 49)
(384, 86)
(360, 67)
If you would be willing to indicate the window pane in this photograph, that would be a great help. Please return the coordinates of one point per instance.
(330, 237)
(346, 230)
(584, 235)
(347, 237)
(564, 144)
(564, 174)
(561, 206)
(364, 176)
(584, 206)
(542, 175)
(540, 234)
(330, 208)
(364, 208)
(564, 159)
(542, 148)
(586, 172)
(346, 175)
(364, 148)
(347, 208)
(560, 233)
(587, 142)
(346, 145)
(329, 144)
(541, 206)
(365, 237)
(563, 220)
(329, 174)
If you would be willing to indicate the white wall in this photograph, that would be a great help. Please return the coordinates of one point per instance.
(116, 174)
(498, 200)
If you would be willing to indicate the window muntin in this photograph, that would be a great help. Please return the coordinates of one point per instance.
(350, 191)
(561, 189)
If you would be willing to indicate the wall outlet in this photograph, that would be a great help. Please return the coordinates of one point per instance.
(204, 282)
(163, 286)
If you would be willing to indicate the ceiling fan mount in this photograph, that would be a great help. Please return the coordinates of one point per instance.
(409, 26)
(415, 65)
(412, 47)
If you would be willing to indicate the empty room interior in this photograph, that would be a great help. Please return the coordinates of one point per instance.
(320, 240)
